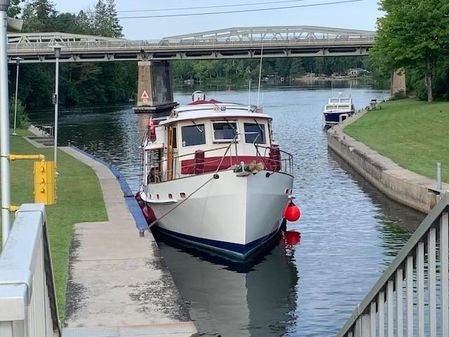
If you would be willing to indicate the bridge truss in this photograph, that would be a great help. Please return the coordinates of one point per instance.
(247, 42)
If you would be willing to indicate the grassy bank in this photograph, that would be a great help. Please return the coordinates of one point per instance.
(412, 133)
(79, 199)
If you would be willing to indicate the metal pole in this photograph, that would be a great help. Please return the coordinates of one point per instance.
(55, 100)
(15, 96)
(4, 121)
(439, 182)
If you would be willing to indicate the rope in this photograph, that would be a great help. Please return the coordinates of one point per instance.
(214, 176)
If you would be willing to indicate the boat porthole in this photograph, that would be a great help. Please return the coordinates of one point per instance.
(268, 174)
(182, 195)
(170, 196)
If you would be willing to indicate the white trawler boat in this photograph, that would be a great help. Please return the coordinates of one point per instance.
(214, 177)
(337, 110)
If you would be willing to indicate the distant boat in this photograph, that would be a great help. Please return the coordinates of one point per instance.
(337, 109)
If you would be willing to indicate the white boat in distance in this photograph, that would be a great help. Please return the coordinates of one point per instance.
(337, 109)
(213, 177)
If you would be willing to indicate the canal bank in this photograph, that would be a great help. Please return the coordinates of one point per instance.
(402, 185)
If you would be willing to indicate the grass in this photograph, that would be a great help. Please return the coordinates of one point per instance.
(412, 133)
(79, 199)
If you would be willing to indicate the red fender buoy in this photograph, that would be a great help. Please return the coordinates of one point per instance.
(148, 214)
(140, 200)
(292, 212)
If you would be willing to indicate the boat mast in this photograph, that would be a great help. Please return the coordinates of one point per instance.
(260, 74)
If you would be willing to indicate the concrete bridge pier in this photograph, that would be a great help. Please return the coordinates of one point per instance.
(398, 86)
(154, 89)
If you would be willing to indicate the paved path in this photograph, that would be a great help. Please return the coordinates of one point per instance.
(118, 282)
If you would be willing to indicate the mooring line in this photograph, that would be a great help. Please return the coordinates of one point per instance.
(214, 176)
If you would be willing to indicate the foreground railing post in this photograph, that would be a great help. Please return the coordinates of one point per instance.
(399, 306)
(431, 255)
(409, 291)
(381, 312)
(444, 252)
(420, 287)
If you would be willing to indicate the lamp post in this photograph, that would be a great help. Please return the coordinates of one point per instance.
(57, 50)
(4, 122)
(15, 96)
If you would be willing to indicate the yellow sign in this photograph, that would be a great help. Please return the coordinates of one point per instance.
(44, 182)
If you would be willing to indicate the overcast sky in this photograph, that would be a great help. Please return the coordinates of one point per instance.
(360, 14)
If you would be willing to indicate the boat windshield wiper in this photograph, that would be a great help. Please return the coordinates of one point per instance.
(201, 130)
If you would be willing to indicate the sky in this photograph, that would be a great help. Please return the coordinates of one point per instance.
(359, 14)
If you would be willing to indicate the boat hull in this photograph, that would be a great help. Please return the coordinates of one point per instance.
(331, 118)
(235, 215)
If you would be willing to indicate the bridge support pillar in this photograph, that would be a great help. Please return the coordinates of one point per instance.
(398, 87)
(154, 89)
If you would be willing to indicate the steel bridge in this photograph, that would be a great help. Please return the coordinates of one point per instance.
(244, 42)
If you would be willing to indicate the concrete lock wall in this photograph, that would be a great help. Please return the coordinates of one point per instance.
(397, 183)
(154, 83)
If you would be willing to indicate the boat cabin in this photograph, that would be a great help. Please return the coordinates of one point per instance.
(208, 136)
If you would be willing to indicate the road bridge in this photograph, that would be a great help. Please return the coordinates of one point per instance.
(155, 89)
(248, 42)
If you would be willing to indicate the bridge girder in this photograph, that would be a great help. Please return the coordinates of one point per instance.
(248, 42)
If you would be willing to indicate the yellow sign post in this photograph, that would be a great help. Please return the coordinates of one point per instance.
(44, 182)
(44, 178)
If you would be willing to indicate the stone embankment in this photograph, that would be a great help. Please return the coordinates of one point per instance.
(399, 184)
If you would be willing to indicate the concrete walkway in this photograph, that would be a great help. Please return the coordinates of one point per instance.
(118, 283)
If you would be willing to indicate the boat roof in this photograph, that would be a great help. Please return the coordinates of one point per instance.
(213, 110)
(340, 100)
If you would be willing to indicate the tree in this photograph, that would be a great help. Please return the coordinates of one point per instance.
(38, 16)
(413, 34)
(105, 19)
(15, 8)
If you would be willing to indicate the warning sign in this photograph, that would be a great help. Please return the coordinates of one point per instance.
(144, 97)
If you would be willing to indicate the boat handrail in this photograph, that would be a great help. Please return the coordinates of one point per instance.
(286, 163)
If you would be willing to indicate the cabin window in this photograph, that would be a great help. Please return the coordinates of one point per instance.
(193, 135)
(225, 131)
(254, 133)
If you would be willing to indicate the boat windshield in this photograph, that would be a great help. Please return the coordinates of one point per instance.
(254, 133)
(225, 131)
(193, 135)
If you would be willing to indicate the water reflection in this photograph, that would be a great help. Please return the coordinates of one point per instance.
(395, 222)
(225, 299)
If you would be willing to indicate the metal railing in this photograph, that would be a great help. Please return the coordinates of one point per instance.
(285, 162)
(411, 297)
(27, 300)
(240, 43)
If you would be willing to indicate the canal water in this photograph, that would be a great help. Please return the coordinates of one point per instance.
(349, 231)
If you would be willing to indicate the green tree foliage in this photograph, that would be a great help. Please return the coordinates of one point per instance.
(38, 16)
(15, 9)
(22, 120)
(414, 35)
(80, 83)
(240, 71)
